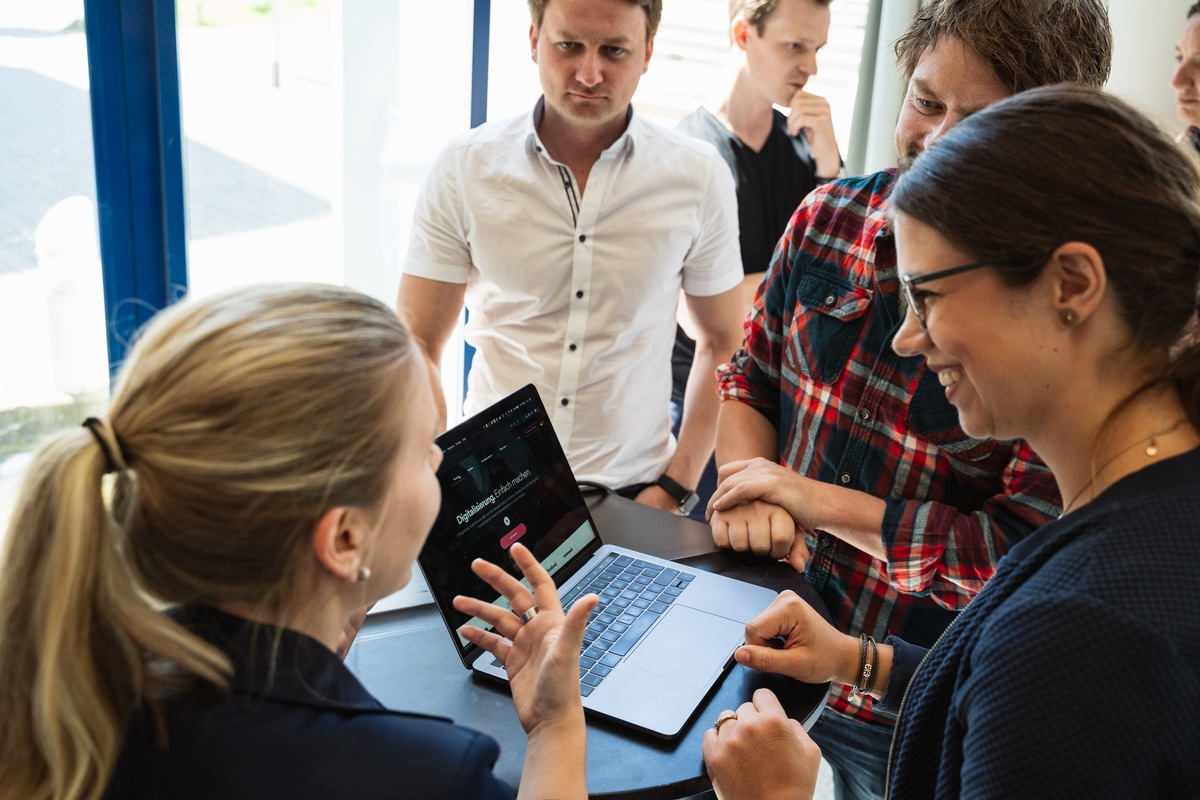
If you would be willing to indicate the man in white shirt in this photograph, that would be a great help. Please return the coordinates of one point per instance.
(569, 233)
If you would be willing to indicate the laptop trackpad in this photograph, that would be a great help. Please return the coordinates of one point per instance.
(688, 646)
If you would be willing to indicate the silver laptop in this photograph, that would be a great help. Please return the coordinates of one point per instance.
(663, 634)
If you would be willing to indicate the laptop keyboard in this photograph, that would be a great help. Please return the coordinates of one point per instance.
(633, 595)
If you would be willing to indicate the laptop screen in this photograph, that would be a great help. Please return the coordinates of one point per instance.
(504, 479)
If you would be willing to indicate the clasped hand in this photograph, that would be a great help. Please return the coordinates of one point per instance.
(763, 507)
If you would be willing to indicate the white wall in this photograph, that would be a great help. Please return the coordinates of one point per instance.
(1145, 33)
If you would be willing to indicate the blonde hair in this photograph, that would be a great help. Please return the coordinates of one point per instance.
(242, 417)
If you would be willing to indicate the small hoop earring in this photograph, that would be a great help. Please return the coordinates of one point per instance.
(364, 573)
(1068, 316)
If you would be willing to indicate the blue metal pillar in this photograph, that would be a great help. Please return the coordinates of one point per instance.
(134, 77)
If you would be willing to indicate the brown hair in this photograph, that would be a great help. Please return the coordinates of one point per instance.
(1028, 43)
(1195, 9)
(653, 9)
(241, 418)
(1011, 183)
(758, 12)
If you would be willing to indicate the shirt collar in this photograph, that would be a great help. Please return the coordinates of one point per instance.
(279, 663)
(625, 142)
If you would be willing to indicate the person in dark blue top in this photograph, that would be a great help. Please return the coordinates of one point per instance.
(1058, 307)
(181, 575)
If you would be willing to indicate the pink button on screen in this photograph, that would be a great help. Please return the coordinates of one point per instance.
(507, 540)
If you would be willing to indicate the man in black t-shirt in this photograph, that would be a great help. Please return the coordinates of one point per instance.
(776, 160)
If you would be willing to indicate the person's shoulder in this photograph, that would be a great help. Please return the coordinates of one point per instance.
(870, 190)
(850, 205)
(702, 124)
(495, 132)
(664, 141)
(291, 750)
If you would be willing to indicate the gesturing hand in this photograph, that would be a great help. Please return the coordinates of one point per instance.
(541, 656)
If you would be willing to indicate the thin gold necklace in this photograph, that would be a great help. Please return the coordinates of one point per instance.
(1151, 452)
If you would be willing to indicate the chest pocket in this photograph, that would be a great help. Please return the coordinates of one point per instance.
(827, 322)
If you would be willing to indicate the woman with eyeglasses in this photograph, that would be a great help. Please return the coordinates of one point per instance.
(179, 574)
(1186, 78)
(1049, 251)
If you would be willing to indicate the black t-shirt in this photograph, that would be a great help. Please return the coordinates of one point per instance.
(770, 185)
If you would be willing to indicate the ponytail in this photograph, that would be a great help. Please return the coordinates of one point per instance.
(76, 632)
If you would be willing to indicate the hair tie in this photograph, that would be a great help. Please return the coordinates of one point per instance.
(115, 459)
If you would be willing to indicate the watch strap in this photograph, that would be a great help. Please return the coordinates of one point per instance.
(687, 498)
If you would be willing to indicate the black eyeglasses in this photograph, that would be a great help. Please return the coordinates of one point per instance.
(917, 304)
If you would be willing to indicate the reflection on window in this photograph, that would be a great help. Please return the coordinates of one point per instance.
(54, 362)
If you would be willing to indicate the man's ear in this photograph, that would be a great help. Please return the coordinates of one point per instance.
(338, 541)
(739, 30)
(1079, 279)
(533, 41)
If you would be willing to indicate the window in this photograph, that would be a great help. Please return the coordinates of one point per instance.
(53, 361)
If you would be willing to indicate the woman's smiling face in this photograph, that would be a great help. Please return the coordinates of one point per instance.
(984, 340)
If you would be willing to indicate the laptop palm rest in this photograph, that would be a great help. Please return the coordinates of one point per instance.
(688, 646)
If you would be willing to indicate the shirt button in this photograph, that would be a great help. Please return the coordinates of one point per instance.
(583, 237)
(565, 401)
(864, 415)
(845, 475)
(574, 347)
(830, 300)
(579, 294)
(824, 541)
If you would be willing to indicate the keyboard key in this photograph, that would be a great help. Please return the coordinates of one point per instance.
(610, 635)
(602, 644)
(592, 679)
(596, 653)
(618, 627)
(622, 561)
(586, 662)
(641, 602)
(585, 690)
(606, 619)
(672, 590)
(610, 659)
(601, 671)
(657, 607)
(666, 577)
(635, 632)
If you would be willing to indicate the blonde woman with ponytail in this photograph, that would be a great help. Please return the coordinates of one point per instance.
(179, 574)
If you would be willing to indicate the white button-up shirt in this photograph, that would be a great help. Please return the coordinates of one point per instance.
(577, 295)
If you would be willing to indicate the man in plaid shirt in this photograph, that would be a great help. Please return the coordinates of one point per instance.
(908, 515)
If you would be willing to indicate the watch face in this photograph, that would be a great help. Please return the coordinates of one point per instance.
(688, 503)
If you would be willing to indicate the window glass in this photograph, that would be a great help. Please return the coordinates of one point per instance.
(53, 353)
(308, 126)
